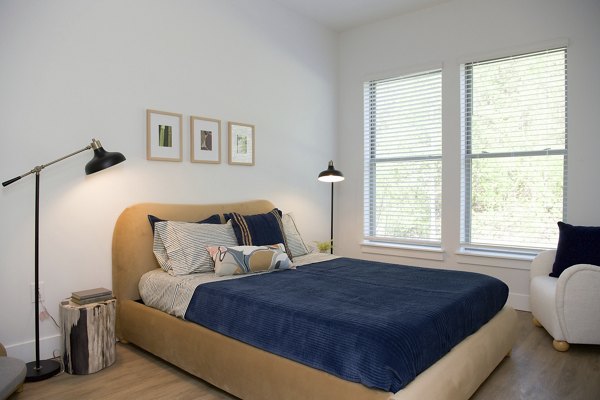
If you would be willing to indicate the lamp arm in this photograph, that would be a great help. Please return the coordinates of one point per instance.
(37, 169)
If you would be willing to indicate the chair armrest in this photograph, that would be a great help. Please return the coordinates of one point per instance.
(542, 263)
(577, 299)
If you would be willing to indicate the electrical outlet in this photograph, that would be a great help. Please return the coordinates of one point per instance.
(32, 291)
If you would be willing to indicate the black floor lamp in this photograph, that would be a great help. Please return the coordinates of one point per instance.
(39, 370)
(331, 175)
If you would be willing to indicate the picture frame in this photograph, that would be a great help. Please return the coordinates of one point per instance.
(164, 136)
(241, 143)
(205, 140)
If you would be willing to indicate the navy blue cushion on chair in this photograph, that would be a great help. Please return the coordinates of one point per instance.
(259, 229)
(576, 245)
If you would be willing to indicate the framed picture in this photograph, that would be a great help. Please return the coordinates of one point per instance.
(205, 140)
(241, 143)
(163, 136)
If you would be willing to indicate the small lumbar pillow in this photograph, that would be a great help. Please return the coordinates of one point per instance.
(180, 247)
(292, 236)
(236, 260)
(259, 229)
(576, 245)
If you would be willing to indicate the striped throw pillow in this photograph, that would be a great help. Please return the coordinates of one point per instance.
(292, 236)
(259, 229)
(180, 247)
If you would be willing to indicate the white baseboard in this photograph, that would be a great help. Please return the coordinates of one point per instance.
(519, 301)
(50, 347)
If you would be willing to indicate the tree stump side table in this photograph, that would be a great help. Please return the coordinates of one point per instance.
(88, 336)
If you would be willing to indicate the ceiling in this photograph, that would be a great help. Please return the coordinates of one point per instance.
(341, 15)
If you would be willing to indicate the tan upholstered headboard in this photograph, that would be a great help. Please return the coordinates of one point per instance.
(132, 238)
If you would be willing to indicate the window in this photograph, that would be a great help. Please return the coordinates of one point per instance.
(403, 159)
(514, 144)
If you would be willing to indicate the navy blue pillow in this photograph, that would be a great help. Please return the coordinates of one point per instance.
(576, 245)
(259, 229)
(213, 219)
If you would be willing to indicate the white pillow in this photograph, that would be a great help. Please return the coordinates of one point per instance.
(180, 247)
(236, 260)
(294, 240)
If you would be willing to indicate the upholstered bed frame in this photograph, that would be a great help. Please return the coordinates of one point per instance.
(251, 373)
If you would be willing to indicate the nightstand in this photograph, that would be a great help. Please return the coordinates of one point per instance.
(88, 336)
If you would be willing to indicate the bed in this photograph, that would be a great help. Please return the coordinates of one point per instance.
(250, 373)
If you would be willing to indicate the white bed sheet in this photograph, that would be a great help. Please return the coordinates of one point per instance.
(172, 294)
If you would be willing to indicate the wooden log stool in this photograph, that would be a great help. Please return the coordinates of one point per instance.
(88, 336)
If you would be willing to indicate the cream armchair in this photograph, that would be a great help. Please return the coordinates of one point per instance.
(568, 307)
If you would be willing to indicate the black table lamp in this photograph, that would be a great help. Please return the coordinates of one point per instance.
(39, 370)
(331, 175)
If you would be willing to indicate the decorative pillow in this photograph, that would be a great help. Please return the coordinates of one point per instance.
(292, 236)
(213, 219)
(259, 229)
(238, 260)
(576, 245)
(180, 247)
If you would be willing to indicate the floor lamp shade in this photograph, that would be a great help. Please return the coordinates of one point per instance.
(39, 370)
(102, 159)
(331, 175)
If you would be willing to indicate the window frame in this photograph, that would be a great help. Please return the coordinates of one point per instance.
(467, 247)
(370, 239)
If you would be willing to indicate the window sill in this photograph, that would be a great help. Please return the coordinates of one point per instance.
(403, 250)
(494, 258)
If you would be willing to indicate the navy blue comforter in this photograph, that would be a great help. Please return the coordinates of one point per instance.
(374, 323)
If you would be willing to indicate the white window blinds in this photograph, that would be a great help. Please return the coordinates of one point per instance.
(403, 159)
(514, 122)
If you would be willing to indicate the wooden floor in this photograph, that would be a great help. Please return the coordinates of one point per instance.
(535, 371)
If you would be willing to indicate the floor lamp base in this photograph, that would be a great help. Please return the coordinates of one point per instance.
(48, 368)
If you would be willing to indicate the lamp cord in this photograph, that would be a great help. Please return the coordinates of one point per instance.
(45, 313)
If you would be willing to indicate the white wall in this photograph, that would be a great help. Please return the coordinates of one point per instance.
(72, 70)
(446, 35)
